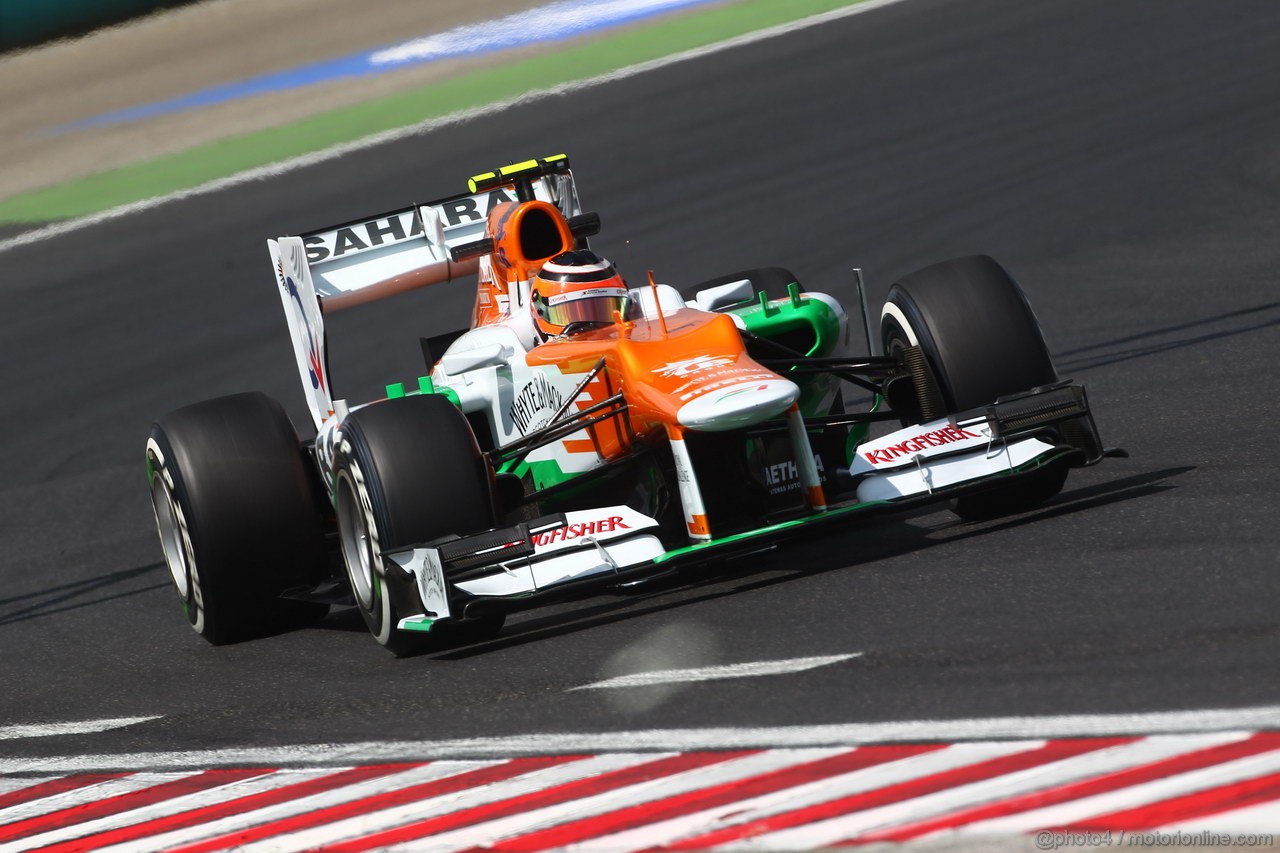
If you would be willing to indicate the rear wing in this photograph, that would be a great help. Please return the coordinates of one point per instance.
(379, 256)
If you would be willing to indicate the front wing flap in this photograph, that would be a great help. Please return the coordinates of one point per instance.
(517, 565)
(525, 559)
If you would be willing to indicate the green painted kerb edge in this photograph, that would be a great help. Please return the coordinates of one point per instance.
(210, 162)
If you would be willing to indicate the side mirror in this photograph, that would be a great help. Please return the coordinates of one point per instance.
(491, 355)
(723, 295)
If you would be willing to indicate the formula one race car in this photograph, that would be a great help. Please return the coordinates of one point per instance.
(585, 433)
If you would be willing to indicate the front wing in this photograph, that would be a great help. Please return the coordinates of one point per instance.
(562, 556)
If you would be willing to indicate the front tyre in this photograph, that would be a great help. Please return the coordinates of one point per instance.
(240, 519)
(981, 341)
(407, 471)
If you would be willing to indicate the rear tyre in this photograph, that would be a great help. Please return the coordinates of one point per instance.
(981, 341)
(240, 519)
(407, 471)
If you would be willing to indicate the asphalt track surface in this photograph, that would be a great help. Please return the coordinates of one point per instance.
(1120, 158)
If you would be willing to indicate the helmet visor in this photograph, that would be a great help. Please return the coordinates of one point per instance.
(596, 305)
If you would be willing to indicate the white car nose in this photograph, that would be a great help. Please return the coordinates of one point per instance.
(738, 405)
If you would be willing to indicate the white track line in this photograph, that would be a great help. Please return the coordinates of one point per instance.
(675, 740)
(276, 169)
(715, 673)
(80, 727)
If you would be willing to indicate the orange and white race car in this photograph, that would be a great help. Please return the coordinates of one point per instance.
(585, 431)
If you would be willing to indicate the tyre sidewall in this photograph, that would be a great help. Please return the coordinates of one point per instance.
(976, 329)
(982, 341)
(415, 472)
(167, 484)
(251, 518)
(378, 612)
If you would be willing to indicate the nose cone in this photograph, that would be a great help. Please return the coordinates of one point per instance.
(739, 405)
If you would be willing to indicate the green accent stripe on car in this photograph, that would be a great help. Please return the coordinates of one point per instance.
(837, 512)
(544, 473)
(781, 526)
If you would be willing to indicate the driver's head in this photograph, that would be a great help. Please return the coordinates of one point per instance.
(572, 288)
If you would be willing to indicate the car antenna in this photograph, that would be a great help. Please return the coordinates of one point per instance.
(657, 305)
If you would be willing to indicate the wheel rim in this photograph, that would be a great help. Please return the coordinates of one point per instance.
(170, 528)
(353, 531)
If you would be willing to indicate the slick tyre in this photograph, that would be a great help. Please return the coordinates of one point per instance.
(407, 471)
(981, 341)
(239, 514)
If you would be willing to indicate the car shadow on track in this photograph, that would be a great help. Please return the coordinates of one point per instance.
(892, 537)
(89, 592)
(1077, 500)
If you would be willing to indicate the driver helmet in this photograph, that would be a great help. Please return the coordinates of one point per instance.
(575, 287)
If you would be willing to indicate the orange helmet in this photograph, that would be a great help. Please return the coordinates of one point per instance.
(573, 288)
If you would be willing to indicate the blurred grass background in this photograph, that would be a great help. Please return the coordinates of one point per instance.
(219, 158)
